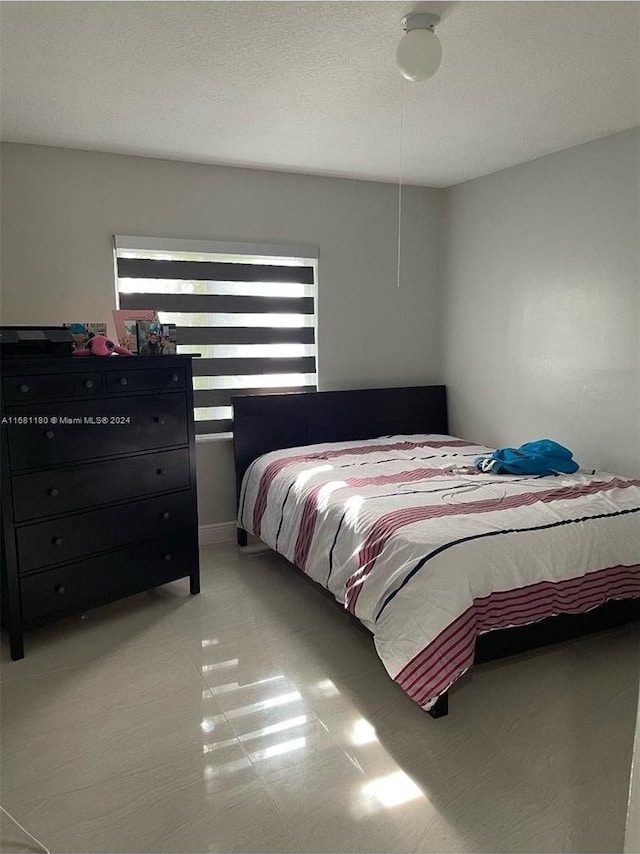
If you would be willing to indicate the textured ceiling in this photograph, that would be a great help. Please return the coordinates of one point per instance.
(313, 86)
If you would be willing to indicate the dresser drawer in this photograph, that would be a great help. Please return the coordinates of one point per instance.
(76, 586)
(73, 537)
(72, 488)
(19, 389)
(132, 424)
(151, 379)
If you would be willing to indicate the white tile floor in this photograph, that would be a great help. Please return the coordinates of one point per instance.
(254, 717)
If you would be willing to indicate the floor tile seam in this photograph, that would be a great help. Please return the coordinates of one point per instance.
(56, 668)
(28, 806)
(334, 745)
(183, 645)
(274, 803)
(185, 648)
(254, 647)
(65, 667)
(163, 696)
(84, 788)
(259, 778)
(72, 727)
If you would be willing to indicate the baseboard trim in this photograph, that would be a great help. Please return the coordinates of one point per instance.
(217, 533)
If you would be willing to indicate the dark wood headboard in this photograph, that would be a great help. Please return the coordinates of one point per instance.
(270, 422)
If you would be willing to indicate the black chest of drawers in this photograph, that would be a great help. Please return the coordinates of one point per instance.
(98, 483)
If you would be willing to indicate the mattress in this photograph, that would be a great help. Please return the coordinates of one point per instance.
(428, 553)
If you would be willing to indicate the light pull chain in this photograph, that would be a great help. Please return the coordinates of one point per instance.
(400, 176)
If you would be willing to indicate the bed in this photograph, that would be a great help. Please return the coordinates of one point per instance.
(367, 494)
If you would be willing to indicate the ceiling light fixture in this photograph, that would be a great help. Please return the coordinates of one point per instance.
(419, 53)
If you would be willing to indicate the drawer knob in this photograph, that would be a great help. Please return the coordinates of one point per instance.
(158, 420)
(123, 381)
(88, 383)
(167, 558)
(49, 434)
(166, 514)
(60, 589)
(175, 378)
(23, 387)
(53, 492)
(161, 471)
(57, 541)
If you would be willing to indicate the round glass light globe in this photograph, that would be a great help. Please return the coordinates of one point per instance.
(419, 54)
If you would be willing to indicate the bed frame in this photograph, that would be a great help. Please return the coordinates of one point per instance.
(271, 422)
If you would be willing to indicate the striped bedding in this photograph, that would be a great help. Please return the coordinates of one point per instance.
(428, 553)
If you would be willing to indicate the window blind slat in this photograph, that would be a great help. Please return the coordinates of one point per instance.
(222, 396)
(274, 381)
(239, 367)
(202, 335)
(204, 427)
(145, 268)
(218, 303)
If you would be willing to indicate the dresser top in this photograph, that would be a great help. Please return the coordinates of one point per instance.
(75, 364)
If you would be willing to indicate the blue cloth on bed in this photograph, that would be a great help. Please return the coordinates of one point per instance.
(542, 457)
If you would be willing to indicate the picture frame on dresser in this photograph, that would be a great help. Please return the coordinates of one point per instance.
(99, 484)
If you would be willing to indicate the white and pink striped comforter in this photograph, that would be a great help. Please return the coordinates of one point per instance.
(428, 557)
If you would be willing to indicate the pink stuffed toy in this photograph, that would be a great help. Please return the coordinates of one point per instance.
(100, 345)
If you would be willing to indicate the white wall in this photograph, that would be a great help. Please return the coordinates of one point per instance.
(542, 303)
(541, 313)
(632, 837)
(535, 313)
(61, 207)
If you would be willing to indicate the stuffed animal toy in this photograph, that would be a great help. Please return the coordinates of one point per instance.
(100, 345)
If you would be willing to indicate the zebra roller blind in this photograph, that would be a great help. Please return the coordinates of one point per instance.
(248, 310)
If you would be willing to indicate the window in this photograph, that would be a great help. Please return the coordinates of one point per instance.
(248, 310)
